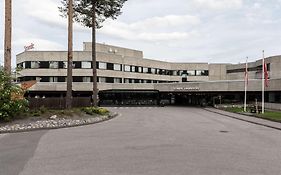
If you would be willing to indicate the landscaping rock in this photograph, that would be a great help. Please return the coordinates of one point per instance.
(54, 117)
(53, 122)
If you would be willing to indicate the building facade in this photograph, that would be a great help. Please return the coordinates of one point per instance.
(125, 77)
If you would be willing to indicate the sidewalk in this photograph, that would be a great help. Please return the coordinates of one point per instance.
(258, 121)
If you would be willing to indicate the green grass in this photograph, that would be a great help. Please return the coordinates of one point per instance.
(276, 116)
(269, 115)
(234, 109)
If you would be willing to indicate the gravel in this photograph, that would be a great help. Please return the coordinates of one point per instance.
(53, 124)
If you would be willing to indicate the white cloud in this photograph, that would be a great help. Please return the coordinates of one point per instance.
(219, 4)
(47, 12)
(153, 29)
(40, 44)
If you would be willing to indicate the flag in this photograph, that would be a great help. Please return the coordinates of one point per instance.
(265, 74)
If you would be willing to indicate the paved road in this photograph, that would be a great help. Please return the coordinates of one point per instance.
(147, 141)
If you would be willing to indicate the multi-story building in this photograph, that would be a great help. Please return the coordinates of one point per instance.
(125, 77)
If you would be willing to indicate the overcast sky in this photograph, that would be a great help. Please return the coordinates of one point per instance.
(170, 30)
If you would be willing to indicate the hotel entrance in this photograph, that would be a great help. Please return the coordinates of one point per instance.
(129, 98)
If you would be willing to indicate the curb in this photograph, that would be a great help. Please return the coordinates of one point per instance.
(256, 123)
(109, 117)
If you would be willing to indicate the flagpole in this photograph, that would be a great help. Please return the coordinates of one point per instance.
(246, 85)
(263, 82)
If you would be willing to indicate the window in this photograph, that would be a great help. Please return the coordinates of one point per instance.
(109, 80)
(117, 67)
(117, 80)
(53, 79)
(126, 80)
(102, 80)
(202, 73)
(62, 64)
(110, 66)
(44, 79)
(34, 65)
(77, 64)
(145, 70)
(86, 65)
(77, 79)
(133, 69)
(140, 69)
(54, 65)
(102, 65)
(44, 64)
(153, 71)
(127, 68)
(61, 79)
(86, 79)
(191, 73)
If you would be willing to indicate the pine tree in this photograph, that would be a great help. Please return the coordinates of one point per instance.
(92, 13)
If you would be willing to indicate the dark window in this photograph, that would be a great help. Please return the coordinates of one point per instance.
(28, 64)
(110, 66)
(77, 79)
(29, 78)
(61, 64)
(184, 79)
(44, 64)
(44, 79)
(109, 80)
(77, 64)
(61, 79)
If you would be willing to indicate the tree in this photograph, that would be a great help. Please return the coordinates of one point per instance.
(8, 36)
(92, 13)
(12, 100)
(69, 55)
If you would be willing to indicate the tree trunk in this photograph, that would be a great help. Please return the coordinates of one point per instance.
(69, 55)
(8, 36)
(95, 89)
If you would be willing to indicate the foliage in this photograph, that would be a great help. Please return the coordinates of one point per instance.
(12, 101)
(94, 110)
(83, 10)
(234, 109)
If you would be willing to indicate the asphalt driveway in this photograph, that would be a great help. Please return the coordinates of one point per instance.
(147, 141)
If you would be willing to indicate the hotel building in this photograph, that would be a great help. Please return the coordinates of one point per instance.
(125, 77)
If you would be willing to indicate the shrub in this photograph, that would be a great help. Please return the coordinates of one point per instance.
(93, 111)
(12, 102)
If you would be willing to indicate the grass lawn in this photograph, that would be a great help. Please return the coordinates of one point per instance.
(276, 116)
(270, 115)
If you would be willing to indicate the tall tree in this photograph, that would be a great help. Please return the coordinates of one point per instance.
(69, 55)
(8, 36)
(92, 13)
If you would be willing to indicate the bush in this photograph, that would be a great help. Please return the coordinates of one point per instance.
(93, 111)
(12, 102)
